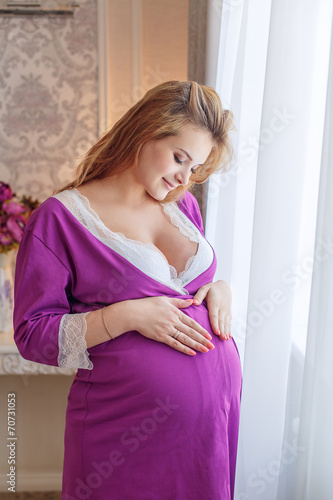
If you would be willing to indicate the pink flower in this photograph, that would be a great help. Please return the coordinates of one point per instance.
(16, 225)
(6, 238)
(12, 208)
(14, 214)
(5, 192)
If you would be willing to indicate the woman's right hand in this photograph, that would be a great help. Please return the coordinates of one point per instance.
(161, 319)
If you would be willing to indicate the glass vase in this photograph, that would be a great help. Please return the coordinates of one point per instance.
(6, 293)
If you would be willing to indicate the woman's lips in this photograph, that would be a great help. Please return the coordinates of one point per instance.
(169, 186)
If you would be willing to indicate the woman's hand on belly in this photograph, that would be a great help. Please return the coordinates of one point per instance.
(161, 319)
(218, 298)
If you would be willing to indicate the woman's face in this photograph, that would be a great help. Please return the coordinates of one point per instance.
(167, 163)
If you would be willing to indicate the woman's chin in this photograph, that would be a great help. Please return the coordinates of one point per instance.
(158, 195)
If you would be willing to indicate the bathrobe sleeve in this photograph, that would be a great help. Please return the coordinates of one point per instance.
(48, 329)
(45, 329)
(41, 285)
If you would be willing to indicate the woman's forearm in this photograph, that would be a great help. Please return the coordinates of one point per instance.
(157, 318)
(117, 317)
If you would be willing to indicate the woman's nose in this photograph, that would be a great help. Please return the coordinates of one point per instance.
(182, 177)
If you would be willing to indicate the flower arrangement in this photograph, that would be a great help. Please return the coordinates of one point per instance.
(14, 215)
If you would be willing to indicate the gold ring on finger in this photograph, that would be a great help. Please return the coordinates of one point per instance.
(176, 334)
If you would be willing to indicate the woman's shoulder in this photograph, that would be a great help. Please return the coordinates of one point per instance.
(53, 225)
(47, 210)
(189, 205)
(51, 215)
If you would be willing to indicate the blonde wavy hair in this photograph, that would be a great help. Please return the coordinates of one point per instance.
(164, 110)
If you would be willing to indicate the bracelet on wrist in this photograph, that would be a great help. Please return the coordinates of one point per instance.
(105, 324)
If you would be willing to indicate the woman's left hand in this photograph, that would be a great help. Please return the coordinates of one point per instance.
(218, 297)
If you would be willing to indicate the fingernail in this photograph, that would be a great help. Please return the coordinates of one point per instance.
(218, 332)
(188, 300)
(211, 346)
(195, 301)
(209, 337)
(204, 349)
(191, 352)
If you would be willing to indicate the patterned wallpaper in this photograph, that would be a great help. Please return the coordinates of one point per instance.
(48, 97)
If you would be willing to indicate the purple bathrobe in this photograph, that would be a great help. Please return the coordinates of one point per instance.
(147, 422)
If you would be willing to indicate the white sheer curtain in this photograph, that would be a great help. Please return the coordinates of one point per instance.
(271, 222)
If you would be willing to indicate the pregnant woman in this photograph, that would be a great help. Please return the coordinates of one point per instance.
(114, 277)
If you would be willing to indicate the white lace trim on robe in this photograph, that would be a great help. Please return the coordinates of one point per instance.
(73, 351)
(144, 256)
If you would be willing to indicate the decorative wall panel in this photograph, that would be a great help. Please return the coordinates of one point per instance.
(48, 97)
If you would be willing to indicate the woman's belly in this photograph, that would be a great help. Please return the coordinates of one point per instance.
(166, 420)
(132, 375)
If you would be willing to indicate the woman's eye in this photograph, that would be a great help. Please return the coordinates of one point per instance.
(178, 160)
